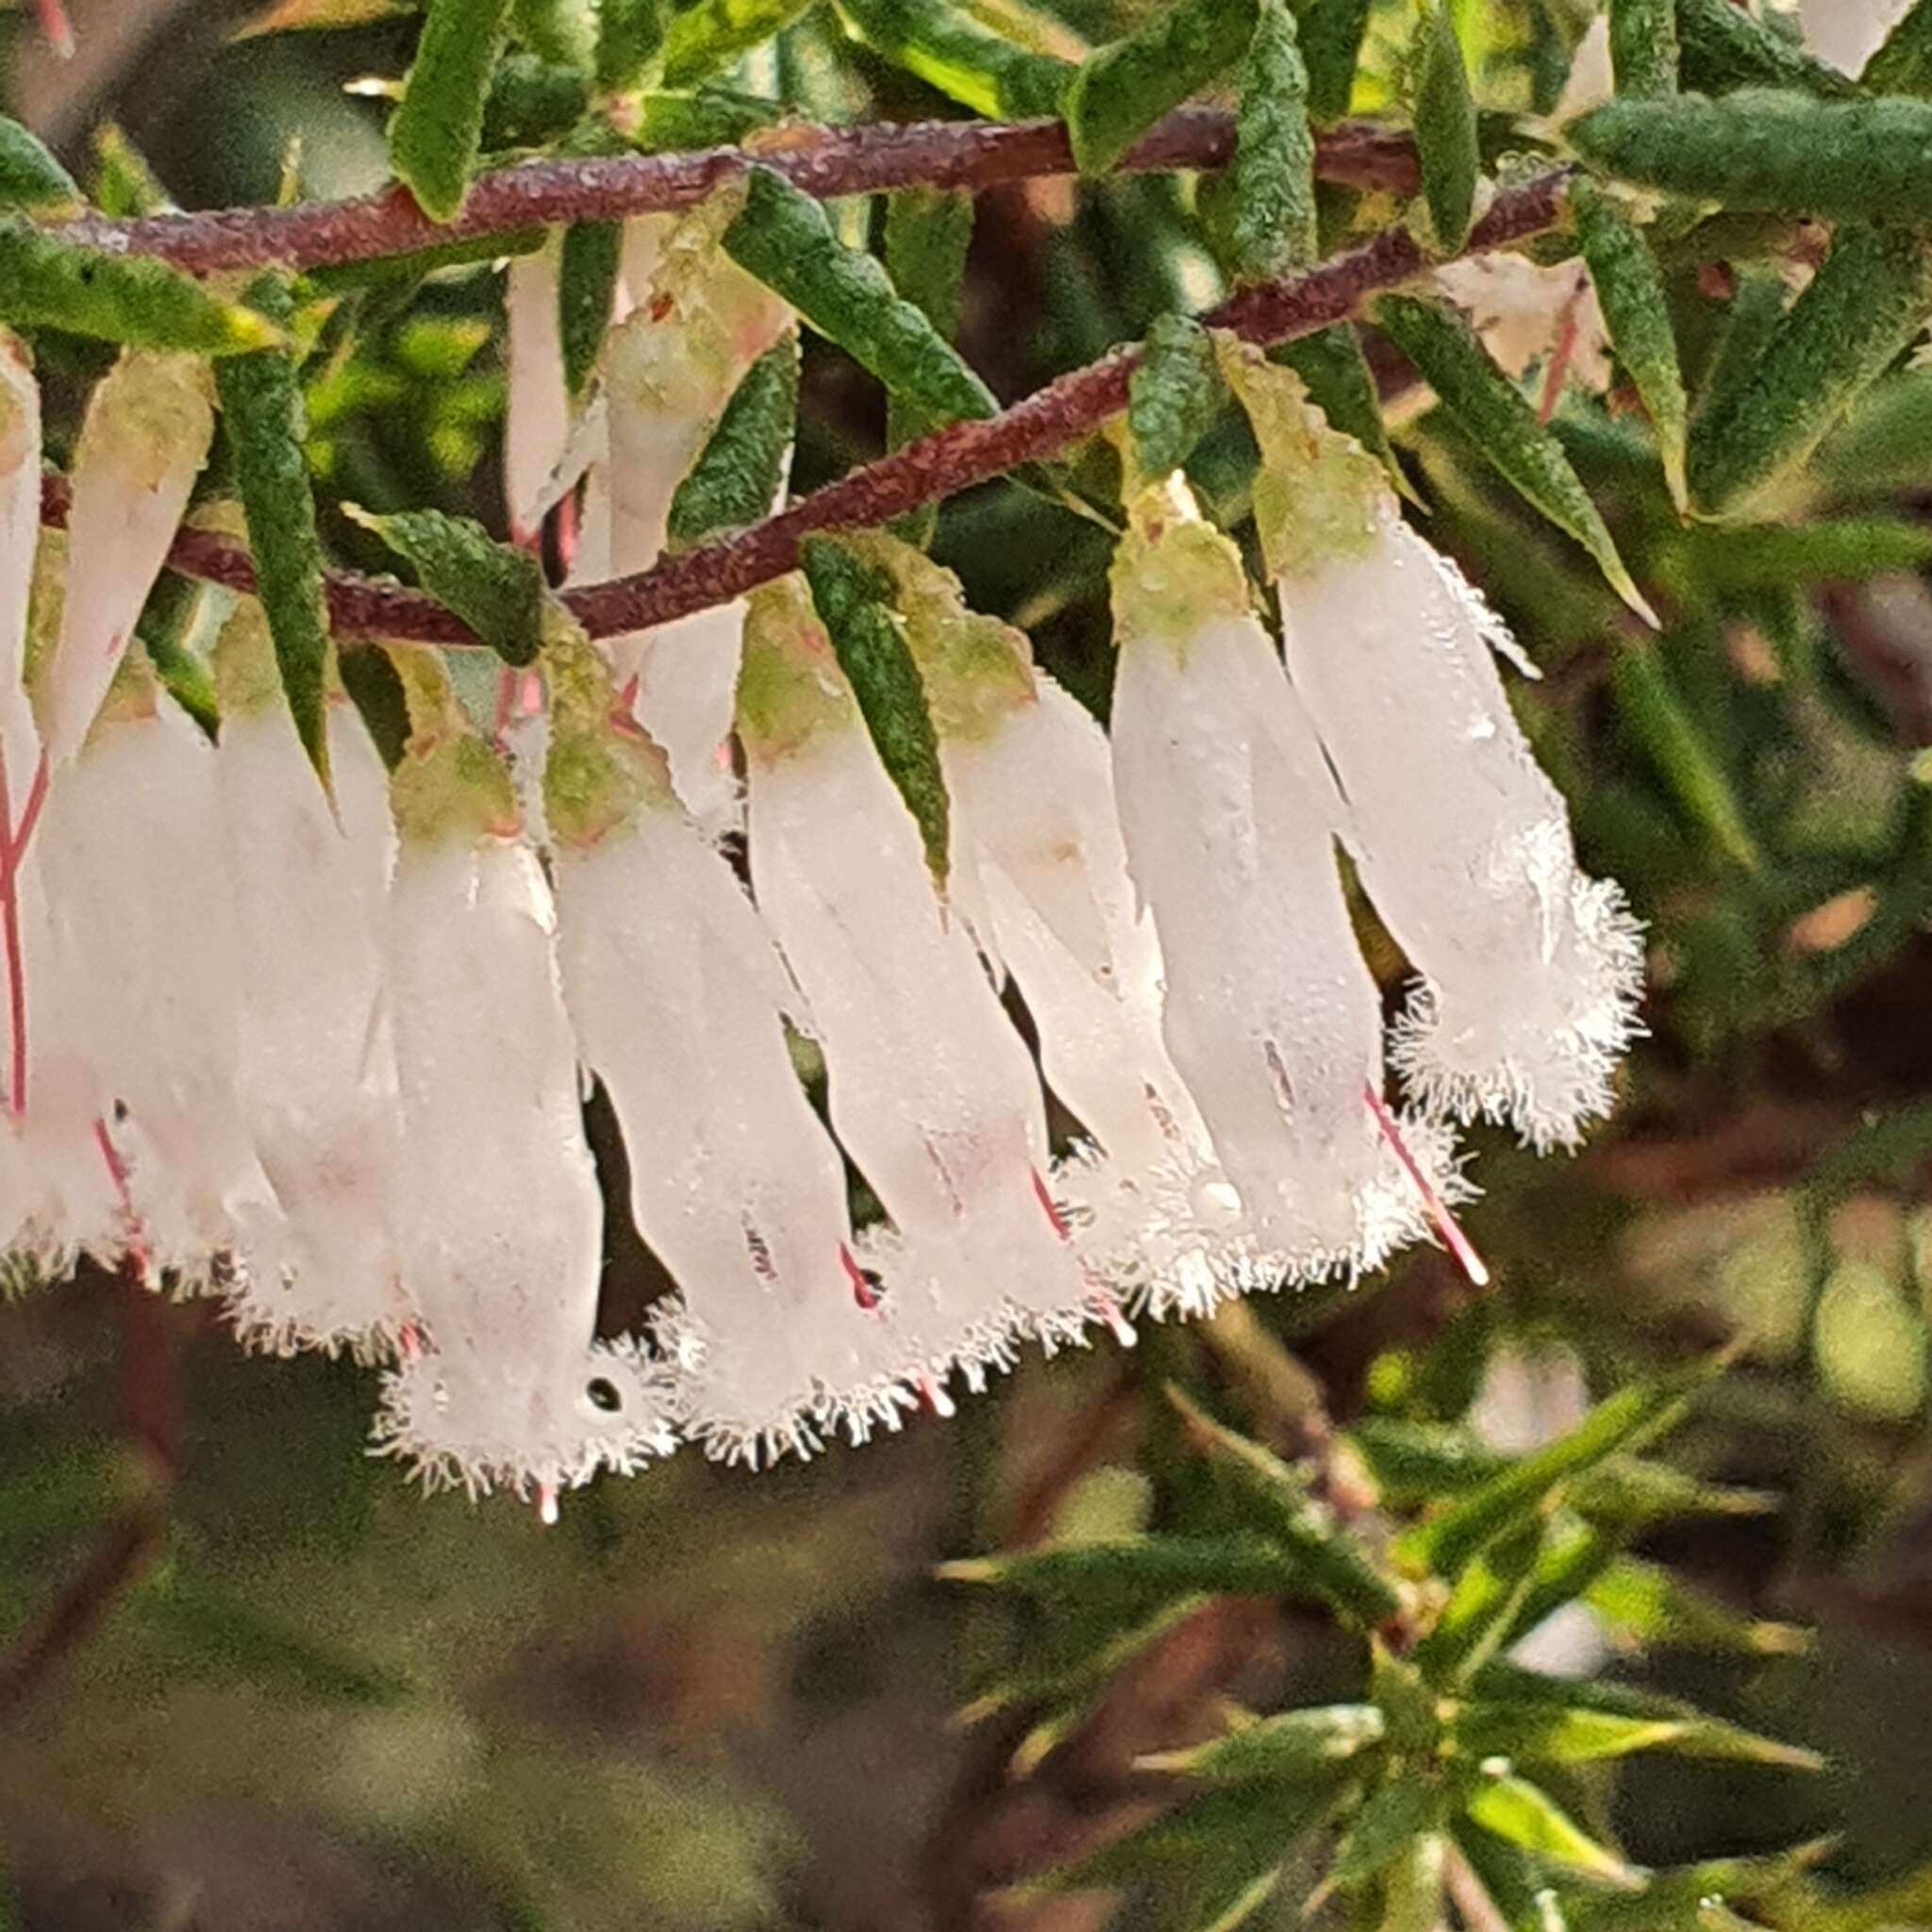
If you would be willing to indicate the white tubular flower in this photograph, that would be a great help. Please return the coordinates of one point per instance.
(1531, 970)
(19, 533)
(933, 1092)
(537, 414)
(500, 1230)
(679, 1000)
(145, 952)
(1527, 313)
(316, 1077)
(145, 436)
(1229, 816)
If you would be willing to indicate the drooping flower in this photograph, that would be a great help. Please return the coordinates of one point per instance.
(316, 1075)
(932, 1092)
(20, 532)
(1530, 969)
(500, 1233)
(1230, 818)
(536, 413)
(680, 1001)
(1531, 312)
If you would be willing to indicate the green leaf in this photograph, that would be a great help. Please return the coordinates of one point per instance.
(30, 177)
(1637, 317)
(1671, 1898)
(1674, 740)
(1422, 1462)
(1543, 1733)
(125, 187)
(263, 421)
(630, 44)
(1626, 1420)
(740, 471)
(1655, 1606)
(1138, 1570)
(1385, 1828)
(1123, 87)
(787, 241)
(1275, 1502)
(1774, 557)
(47, 283)
(1174, 395)
(1221, 1898)
(1757, 310)
(1724, 46)
(369, 675)
(1904, 64)
(1331, 38)
(1412, 1892)
(1343, 386)
(563, 32)
(1271, 181)
(950, 50)
(1485, 1606)
(1437, 338)
(437, 129)
(1630, 1493)
(1290, 1747)
(706, 38)
(532, 103)
(1643, 47)
(1446, 133)
(1860, 311)
(1066, 1669)
(591, 256)
(1768, 152)
(1523, 1814)
(1243, 1829)
(855, 602)
(163, 629)
(494, 587)
(708, 117)
(928, 232)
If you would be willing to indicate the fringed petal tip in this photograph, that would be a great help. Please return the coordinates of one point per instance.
(458, 1426)
(32, 1262)
(759, 1433)
(1542, 1057)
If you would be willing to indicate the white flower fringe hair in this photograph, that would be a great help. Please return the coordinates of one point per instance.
(323, 1057)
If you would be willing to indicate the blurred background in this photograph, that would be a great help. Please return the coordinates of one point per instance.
(249, 1679)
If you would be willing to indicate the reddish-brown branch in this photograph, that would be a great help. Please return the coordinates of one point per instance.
(950, 460)
(823, 161)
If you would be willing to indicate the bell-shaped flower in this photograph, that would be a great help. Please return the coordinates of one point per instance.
(932, 1092)
(316, 1075)
(500, 1226)
(1531, 969)
(680, 1001)
(142, 442)
(536, 411)
(1230, 816)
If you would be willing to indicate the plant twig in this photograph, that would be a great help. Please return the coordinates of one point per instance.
(823, 161)
(935, 466)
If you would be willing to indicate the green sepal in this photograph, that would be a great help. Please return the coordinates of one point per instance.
(600, 768)
(1270, 185)
(853, 601)
(1643, 47)
(712, 35)
(1450, 356)
(265, 426)
(791, 689)
(1860, 311)
(1636, 318)
(48, 283)
(1173, 394)
(437, 129)
(630, 44)
(1123, 87)
(786, 238)
(1445, 128)
(742, 467)
(496, 588)
(1722, 46)
(30, 177)
(950, 51)
(449, 783)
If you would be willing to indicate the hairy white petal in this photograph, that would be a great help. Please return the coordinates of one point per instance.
(1848, 32)
(20, 534)
(1522, 310)
(537, 416)
(147, 433)
(687, 674)
(1531, 971)
(500, 1225)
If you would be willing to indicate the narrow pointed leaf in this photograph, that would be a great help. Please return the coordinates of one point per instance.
(1222, 1899)
(853, 600)
(1772, 556)
(1445, 131)
(1331, 38)
(1523, 1814)
(370, 678)
(630, 43)
(1422, 1462)
(1861, 311)
(494, 587)
(1643, 47)
(1483, 1608)
(1275, 1502)
(786, 238)
(1122, 88)
(1288, 1746)
(929, 231)
(1540, 1734)
(563, 32)
(1756, 310)
(1630, 1493)
(1671, 1898)
(1244, 1827)
(1637, 316)
(967, 63)
(1437, 338)
(1174, 394)
(437, 126)
(1655, 1607)
(30, 178)
(1067, 1675)
(1722, 46)
(1412, 1892)
(125, 186)
(586, 282)
(711, 36)
(1343, 386)
(47, 283)
(1271, 181)
(1139, 1569)
(263, 419)
(1624, 1420)
(1904, 64)
(1385, 1828)
(740, 470)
